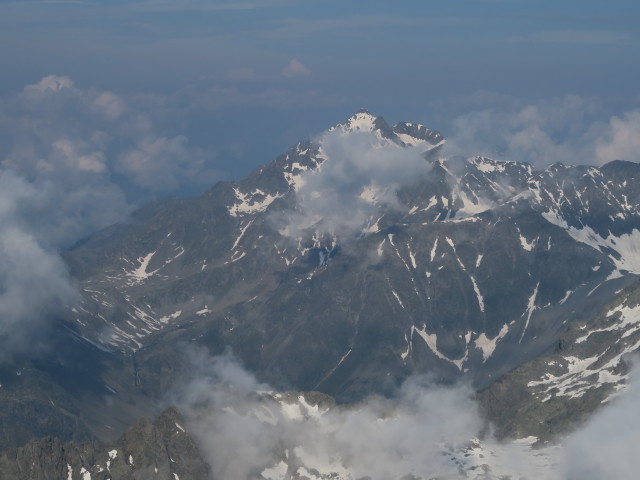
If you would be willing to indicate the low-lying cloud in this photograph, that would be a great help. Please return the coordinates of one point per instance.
(34, 283)
(357, 182)
(607, 447)
(426, 431)
(245, 432)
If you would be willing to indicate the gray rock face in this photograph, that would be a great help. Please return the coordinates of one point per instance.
(482, 267)
(477, 267)
(162, 449)
(589, 366)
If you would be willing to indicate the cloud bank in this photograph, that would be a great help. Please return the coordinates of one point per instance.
(55, 129)
(570, 130)
(246, 433)
(426, 431)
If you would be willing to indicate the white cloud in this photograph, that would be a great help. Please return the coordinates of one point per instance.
(164, 163)
(34, 284)
(110, 104)
(607, 446)
(359, 178)
(295, 69)
(47, 86)
(621, 139)
(570, 130)
(241, 434)
(424, 431)
(55, 129)
(90, 162)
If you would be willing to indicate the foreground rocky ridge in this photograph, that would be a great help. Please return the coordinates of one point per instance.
(160, 450)
(165, 449)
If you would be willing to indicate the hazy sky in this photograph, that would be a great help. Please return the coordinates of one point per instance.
(242, 80)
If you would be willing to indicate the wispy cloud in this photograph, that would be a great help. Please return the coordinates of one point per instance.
(345, 25)
(579, 37)
(358, 179)
(209, 5)
(217, 96)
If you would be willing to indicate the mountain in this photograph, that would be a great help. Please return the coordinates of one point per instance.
(405, 261)
(481, 267)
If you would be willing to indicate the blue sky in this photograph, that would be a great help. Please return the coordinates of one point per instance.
(245, 79)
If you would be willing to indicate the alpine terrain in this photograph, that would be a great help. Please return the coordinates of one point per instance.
(346, 266)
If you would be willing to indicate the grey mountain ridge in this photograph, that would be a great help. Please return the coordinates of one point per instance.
(486, 266)
(162, 449)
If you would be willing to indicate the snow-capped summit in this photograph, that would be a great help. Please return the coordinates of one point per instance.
(404, 134)
(363, 121)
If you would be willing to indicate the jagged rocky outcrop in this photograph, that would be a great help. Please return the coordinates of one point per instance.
(162, 449)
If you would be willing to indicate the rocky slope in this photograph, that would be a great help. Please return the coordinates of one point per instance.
(462, 268)
(590, 366)
(481, 267)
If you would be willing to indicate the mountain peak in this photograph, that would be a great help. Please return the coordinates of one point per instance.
(362, 121)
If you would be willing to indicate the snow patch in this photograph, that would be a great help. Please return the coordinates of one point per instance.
(528, 246)
(626, 246)
(478, 295)
(140, 273)
(434, 249)
(431, 341)
(172, 316)
(398, 299)
(531, 306)
(250, 203)
(488, 345)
